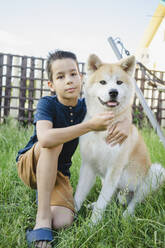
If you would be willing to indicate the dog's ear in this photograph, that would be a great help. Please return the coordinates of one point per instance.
(93, 63)
(128, 64)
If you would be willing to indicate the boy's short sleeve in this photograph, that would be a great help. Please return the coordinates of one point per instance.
(44, 110)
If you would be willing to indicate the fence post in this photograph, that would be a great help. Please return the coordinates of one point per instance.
(8, 86)
(1, 78)
(42, 76)
(31, 92)
(138, 114)
(22, 93)
(160, 105)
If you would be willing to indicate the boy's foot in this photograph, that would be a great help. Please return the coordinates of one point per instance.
(40, 237)
(42, 244)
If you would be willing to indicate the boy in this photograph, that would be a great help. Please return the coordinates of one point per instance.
(45, 161)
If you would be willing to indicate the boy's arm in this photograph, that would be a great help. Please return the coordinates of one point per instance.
(49, 137)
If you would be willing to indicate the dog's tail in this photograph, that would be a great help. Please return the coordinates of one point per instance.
(156, 175)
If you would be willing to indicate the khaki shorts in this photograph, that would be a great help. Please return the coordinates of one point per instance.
(62, 194)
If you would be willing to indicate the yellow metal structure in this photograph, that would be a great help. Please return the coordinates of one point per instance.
(153, 25)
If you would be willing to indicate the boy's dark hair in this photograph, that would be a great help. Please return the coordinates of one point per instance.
(58, 54)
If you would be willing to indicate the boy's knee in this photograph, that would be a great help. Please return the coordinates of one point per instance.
(66, 221)
(61, 217)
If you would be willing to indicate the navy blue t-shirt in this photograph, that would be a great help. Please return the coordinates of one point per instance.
(49, 108)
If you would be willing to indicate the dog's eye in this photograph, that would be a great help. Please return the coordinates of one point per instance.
(119, 82)
(103, 82)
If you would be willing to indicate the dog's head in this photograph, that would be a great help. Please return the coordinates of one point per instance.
(109, 86)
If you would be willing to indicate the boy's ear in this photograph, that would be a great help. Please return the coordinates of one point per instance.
(51, 87)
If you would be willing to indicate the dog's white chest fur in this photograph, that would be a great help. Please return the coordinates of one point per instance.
(97, 152)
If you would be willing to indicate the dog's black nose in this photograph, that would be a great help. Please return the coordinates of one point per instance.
(113, 93)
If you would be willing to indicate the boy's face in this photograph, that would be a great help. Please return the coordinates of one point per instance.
(66, 81)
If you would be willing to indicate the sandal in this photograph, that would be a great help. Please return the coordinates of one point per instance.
(40, 234)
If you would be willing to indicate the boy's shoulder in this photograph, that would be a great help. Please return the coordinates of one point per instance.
(47, 100)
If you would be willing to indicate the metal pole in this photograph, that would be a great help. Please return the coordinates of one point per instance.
(115, 48)
(139, 93)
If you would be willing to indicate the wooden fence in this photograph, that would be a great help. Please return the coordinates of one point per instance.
(147, 81)
(23, 81)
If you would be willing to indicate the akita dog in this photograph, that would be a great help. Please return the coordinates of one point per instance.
(125, 167)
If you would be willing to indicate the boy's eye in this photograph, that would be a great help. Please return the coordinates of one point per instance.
(119, 82)
(60, 77)
(103, 82)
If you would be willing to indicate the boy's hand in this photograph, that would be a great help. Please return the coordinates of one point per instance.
(101, 121)
(118, 132)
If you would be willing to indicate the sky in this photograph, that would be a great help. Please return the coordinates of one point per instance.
(35, 27)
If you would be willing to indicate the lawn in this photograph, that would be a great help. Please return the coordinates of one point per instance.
(18, 208)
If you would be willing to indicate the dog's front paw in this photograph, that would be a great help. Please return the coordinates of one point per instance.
(96, 216)
(91, 205)
(127, 213)
(76, 206)
(91, 224)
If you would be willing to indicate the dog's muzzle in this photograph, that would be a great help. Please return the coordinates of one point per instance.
(113, 93)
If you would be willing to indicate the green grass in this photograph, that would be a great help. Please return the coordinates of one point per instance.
(18, 208)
